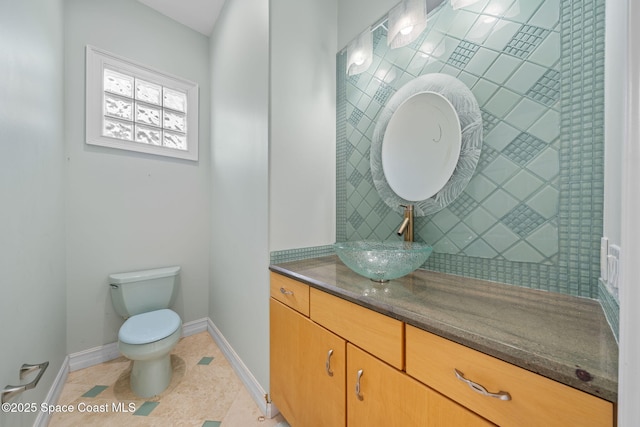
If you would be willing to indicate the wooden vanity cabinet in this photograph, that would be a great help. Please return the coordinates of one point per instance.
(335, 363)
(310, 362)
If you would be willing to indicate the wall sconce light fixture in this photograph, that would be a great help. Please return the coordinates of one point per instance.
(457, 4)
(406, 22)
(360, 53)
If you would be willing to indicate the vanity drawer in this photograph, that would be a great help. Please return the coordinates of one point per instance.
(535, 400)
(373, 332)
(290, 292)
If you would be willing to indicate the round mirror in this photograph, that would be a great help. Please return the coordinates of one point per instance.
(421, 146)
(426, 144)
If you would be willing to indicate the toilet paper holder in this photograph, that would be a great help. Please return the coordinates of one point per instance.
(11, 391)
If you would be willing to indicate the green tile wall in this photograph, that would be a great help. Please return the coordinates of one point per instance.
(532, 214)
(300, 253)
(539, 78)
(510, 209)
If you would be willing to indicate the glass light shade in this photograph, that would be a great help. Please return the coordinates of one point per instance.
(360, 53)
(457, 4)
(406, 22)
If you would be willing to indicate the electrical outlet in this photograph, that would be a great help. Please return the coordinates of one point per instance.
(604, 261)
(613, 267)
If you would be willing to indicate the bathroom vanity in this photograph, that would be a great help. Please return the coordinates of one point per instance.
(431, 349)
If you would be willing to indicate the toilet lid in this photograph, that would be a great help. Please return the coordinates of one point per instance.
(149, 327)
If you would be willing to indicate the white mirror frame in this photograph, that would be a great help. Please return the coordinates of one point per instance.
(466, 106)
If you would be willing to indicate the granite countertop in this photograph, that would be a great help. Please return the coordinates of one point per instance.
(558, 336)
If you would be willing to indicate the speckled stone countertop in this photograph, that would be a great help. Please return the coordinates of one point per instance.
(551, 334)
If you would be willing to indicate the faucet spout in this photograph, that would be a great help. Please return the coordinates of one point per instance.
(406, 227)
(403, 227)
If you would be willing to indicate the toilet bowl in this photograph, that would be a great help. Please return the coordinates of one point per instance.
(148, 339)
(151, 330)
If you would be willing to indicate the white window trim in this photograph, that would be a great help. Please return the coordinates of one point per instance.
(96, 60)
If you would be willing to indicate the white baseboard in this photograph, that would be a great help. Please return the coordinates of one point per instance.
(195, 327)
(93, 356)
(55, 391)
(255, 389)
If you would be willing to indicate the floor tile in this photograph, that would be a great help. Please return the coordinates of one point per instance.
(204, 392)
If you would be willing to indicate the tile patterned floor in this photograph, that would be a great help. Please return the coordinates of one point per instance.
(204, 392)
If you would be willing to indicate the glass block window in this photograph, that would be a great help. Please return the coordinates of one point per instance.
(132, 107)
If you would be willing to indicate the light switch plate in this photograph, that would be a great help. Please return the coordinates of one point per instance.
(613, 267)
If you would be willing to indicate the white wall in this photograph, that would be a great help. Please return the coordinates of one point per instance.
(129, 211)
(239, 181)
(354, 16)
(32, 260)
(629, 375)
(615, 95)
(303, 123)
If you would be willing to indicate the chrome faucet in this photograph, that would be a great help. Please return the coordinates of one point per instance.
(406, 227)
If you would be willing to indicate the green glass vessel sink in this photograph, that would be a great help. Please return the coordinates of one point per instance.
(382, 261)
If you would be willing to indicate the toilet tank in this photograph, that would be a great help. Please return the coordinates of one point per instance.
(142, 291)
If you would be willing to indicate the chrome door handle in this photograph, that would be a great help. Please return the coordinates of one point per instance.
(286, 291)
(502, 395)
(360, 372)
(327, 364)
(11, 391)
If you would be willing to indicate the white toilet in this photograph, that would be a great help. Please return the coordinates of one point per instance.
(151, 330)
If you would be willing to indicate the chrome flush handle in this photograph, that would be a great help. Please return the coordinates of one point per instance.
(286, 291)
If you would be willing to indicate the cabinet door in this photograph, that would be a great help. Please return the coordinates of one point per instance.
(444, 412)
(379, 395)
(308, 366)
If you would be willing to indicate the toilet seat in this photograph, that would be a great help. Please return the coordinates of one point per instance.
(149, 327)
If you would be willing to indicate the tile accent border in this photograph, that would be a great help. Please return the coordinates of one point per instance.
(341, 149)
(582, 143)
(278, 257)
(611, 309)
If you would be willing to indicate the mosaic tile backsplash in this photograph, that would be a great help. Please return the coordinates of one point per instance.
(509, 209)
(532, 213)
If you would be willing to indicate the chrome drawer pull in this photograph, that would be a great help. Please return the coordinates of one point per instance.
(502, 395)
(360, 372)
(286, 292)
(327, 364)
